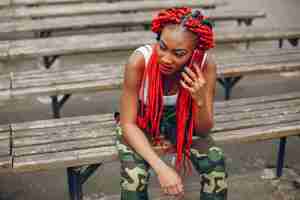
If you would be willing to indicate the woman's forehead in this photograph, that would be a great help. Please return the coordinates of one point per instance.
(176, 37)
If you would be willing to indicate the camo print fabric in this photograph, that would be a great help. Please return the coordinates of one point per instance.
(207, 159)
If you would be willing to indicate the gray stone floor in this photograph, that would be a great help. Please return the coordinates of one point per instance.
(248, 164)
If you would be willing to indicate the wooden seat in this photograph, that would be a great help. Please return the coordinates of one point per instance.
(100, 8)
(48, 144)
(47, 2)
(99, 77)
(108, 42)
(5, 150)
(122, 20)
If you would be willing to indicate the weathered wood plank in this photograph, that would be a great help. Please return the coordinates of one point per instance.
(258, 133)
(236, 116)
(5, 163)
(65, 133)
(263, 121)
(267, 106)
(63, 146)
(234, 70)
(64, 159)
(4, 48)
(104, 7)
(115, 41)
(77, 87)
(5, 2)
(257, 100)
(41, 2)
(46, 77)
(108, 20)
(4, 147)
(257, 35)
(66, 121)
(5, 86)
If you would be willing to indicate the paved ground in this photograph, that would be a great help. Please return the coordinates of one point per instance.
(248, 164)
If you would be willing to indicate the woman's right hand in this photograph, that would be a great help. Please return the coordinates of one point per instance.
(170, 181)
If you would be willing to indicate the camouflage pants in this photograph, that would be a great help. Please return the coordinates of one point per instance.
(207, 159)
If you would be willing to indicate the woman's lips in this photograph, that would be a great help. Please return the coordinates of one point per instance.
(165, 69)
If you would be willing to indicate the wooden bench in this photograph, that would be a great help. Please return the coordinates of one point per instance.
(51, 48)
(124, 21)
(43, 2)
(50, 2)
(66, 45)
(100, 8)
(100, 77)
(89, 140)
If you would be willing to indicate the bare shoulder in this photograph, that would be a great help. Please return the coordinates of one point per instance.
(136, 61)
(134, 70)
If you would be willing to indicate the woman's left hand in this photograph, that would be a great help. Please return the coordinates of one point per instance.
(195, 83)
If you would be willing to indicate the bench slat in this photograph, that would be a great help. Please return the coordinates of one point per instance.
(66, 121)
(64, 146)
(5, 147)
(53, 140)
(116, 42)
(248, 123)
(64, 159)
(272, 123)
(44, 136)
(258, 133)
(256, 107)
(287, 108)
(257, 100)
(104, 7)
(40, 2)
(107, 21)
(5, 163)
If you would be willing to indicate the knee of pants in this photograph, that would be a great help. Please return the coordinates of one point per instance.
(211, 165)
(134, 178)
(211, 160)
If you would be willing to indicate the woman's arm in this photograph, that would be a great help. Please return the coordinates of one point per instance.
(132, 134)
(169, 180)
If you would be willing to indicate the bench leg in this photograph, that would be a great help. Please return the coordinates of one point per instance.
(75, 188)
(58, 104)
(247, 22)
(77, 177)
(228, 83)
(280, 158)
(293, 41)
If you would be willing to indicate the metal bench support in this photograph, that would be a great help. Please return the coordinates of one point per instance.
(293, 41)
(228, 83)
(77, 177)
(280, 157)
(247, 21)
(48, 62)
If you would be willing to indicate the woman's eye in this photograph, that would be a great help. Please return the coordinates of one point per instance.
(162, 47)
(179, 55)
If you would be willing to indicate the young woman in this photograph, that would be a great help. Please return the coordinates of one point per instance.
(168, 93)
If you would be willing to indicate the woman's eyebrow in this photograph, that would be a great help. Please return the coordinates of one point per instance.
(181, 50)
(175, 50)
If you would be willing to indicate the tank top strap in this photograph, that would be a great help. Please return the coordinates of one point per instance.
(203, 61)
(146, 51)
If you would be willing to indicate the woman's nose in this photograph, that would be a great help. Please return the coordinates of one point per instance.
(167, 59)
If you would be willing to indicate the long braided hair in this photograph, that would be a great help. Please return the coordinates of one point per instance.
(149, 118)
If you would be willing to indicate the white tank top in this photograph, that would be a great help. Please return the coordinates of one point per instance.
(169, 100)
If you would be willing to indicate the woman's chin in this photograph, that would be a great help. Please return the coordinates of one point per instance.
(166, 71)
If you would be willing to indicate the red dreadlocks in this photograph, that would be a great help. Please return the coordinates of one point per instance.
(149, 118)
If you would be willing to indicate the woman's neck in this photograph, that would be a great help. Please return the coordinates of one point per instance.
(170, 84)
